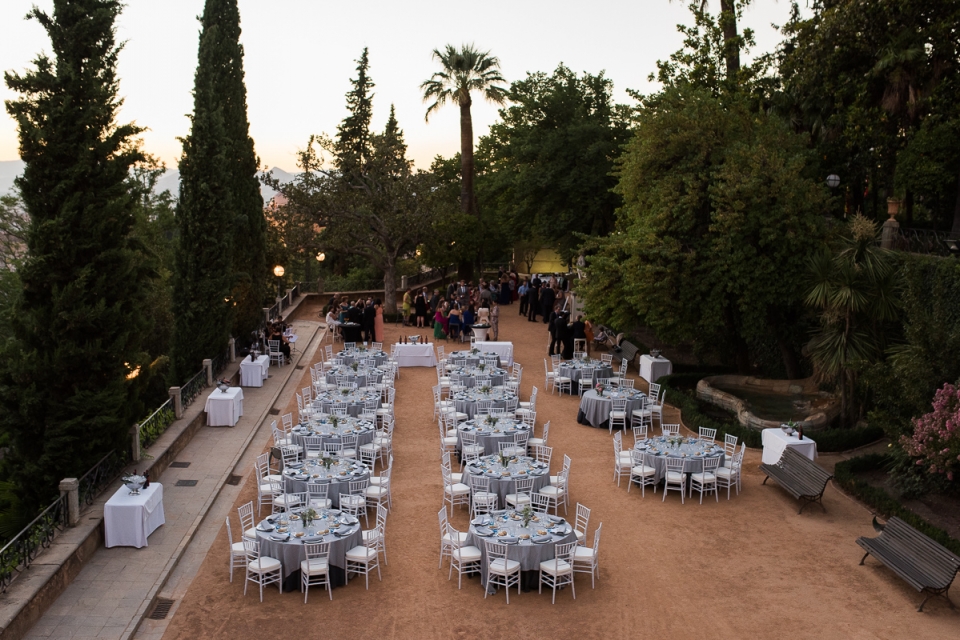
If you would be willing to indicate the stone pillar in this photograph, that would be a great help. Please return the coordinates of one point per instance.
(135, 443)
(177, 402)
(403, 283)
(71, 487)
(208, 367)
(266, 315)
(890, 226)
(233, 349)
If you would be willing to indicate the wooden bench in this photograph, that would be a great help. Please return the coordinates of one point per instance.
(626, 351)
(799, 476)
(921, 561)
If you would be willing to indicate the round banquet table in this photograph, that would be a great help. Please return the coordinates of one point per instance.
(595, 409)
(363, 376)
(528, 553)
(288, 549)
(466, 401)
(354, 400)
(490, 436)
(323, 427)
(573, 369)
(340, 476)
(692, 450)
(472, 359)
(503, 481)
(349, 356)
(468, 375)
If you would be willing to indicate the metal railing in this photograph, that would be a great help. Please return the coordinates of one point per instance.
(192, 388)
(156, 423)
(924, 241)
(17, 554)
(93, 482)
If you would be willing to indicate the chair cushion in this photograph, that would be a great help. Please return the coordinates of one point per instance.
(237, 547)
(551, 491)
(450, 441)
(580, 535)
(263, 564)
(583, 553)
(643, 470)
(676, 476)
(504, 567)
(555, 567)
(534, 442)
(703, 477)
(361, 554)
(462, 535)
(725, 473)
(250, 533)
(314, 567)
(457, 488)
(618, 415)
(513, 498)
(467, 554)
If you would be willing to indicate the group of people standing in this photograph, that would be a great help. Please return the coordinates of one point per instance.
(368, 314)
(540, 294)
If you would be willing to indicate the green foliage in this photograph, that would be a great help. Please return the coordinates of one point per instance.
(154, 425)
(845, 474)
(718, 215)
(85, 276)
(550, 159)
(353, 146)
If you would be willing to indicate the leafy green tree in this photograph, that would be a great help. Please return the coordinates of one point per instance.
(551, 158)
(464, 71)
(718, 215)
(353, 143)
(78, 323)
(855, 289)
(204, 279)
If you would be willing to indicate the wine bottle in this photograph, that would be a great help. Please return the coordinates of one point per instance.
(146, 475)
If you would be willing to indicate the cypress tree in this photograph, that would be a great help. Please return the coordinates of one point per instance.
(353, 144)
(78, 323)
(206, 211)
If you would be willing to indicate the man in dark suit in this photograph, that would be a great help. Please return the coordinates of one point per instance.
(369, 318)
(547, 297)
(534, 294)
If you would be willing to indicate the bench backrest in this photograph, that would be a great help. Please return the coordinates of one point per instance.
(930, 556)
(628, 351)
(795, 462)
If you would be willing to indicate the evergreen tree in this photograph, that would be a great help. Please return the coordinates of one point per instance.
(78, 322)
(353, 145)
(206, 211)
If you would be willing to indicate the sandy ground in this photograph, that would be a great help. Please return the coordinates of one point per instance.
(749, 567)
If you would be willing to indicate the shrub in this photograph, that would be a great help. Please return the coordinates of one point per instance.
(882, 502)
(935, 442)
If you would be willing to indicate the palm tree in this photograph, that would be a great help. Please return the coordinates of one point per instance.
(464, 71)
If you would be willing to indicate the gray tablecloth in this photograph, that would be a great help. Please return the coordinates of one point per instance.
(350, 356)
(338, 485)
(468, 376)
(502, 486)
(691, 463)
(487, 438)
(361, 378)
(364, 436)
(468, 404)
(472, 359)
(575, 372)
(291, 554)
(596, 410)
(528, 554)
(354, 401)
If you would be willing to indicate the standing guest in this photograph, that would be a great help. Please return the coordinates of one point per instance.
(434, 301)
(504, 289)
(420, 305)
(564, 335)
(551, 320)
(355, 313)
(378, 321)
(547, 299)
(485, 294)
(453, 321)
(522, 292)
(468, 317)
(369, 320)
(463, 293)
(440, 325)
(588, 333)
(407, 306)
(451, 289)
(495, 320)
(534, 294)
(578, 330)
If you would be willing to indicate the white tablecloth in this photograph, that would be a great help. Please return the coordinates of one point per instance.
(652, 368)
(128, 520)
(502, 349)
(224, 409)
(775, 441)
(252, 374)
(416, 355)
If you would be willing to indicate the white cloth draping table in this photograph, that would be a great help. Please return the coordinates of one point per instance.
(776, 440)
(254, 372)
(415, 355)
(128, 520)
(480, 332)
(224, 408)
(652, 368)
(502, 349)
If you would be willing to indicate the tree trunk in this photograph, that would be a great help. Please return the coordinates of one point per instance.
(790, 360)
(731, 46)
(955, 231)
(390, 289)
(466, 157)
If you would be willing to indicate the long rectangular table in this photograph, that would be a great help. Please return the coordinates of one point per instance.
(775, 441)
(415, 355)
(128, 520)
(224, 408)
(502, 349)
(253, 373)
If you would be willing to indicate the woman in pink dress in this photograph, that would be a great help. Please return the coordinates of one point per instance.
(378, 321)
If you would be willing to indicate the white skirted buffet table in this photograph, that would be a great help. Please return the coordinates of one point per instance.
(254, 372)
(224, 408)
(653, 368)
(776, 440)
(415, 355)
(128, 520)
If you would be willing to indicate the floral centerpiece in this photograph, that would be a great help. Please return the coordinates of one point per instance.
(527, 514)
(308, 515)
(600, 388)
(334, 421)
(492, 420)
(345, 392)
(354, 366)
(474, 351)
(326, 461)
(485, 389)
(481, 366)
(504, 459)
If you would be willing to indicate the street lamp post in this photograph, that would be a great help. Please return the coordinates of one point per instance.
(320, 258)
(278, 271)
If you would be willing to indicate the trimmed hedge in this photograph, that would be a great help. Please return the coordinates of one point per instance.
(827, 440)
(882, 502)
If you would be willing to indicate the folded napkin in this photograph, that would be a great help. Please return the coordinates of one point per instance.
(509, 539)
(348, 519)
(483, 531)
(481, 520)
(295, 465)
(341, 533)
(541, 539)
(280, 537)
(265, 527)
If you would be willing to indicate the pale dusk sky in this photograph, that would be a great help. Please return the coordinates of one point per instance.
(300, 56)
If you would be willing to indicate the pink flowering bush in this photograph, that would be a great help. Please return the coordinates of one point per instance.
(936, 435)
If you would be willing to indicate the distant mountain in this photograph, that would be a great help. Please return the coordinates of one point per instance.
(170, 181)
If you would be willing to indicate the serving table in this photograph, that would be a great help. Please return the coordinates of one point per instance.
(128, 520)
(254, 372)
(224, 408)
(653, 368)
(776, 440)
(415, 355)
